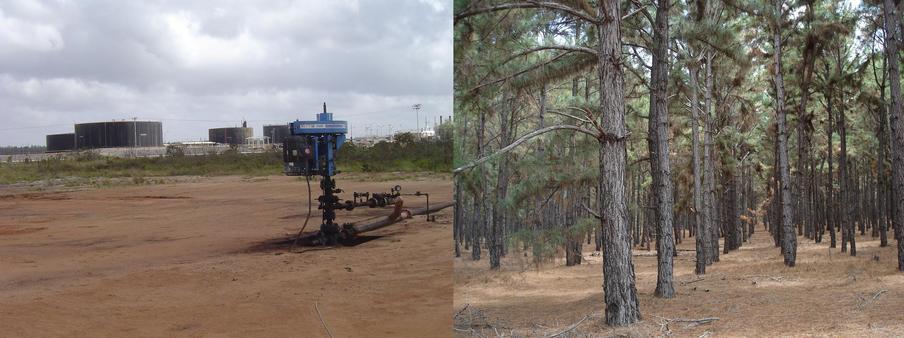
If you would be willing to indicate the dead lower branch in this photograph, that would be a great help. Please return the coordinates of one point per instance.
(591, 212)
(521, 140)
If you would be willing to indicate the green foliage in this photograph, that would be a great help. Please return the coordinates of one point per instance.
(407, 153)
(433, 155)
(546, 243)
(14, 150)
(566, 66)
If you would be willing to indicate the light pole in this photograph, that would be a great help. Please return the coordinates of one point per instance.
(417, 115)
(135, 129)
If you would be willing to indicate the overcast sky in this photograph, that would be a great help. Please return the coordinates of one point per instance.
(200, 64)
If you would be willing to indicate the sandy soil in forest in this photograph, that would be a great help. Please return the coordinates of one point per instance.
(751, 292)
(198, 259)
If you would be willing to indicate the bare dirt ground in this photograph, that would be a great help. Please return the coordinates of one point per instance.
(751, 292)
(198, 259)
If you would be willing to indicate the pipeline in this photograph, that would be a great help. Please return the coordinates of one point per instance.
(397, 215)
(350, 230)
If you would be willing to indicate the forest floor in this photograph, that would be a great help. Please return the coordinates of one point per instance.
(204, 258)
(828, 293)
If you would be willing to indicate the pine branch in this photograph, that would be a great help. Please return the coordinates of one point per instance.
(542, 48)
(521, 140)
(592, 213)
(523, 71)
(635, 11)
(643, 9)
(542, 4)
(568, 115)
(526, 4)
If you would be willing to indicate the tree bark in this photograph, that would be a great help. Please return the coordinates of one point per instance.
(830, 187)
(701, 235)
(892, 47)
(789, 238)
(622, 306)
(478, 196)
(659, 153)
(803, 126)
(457, 221)
(709, 177)
(498, 217)
(847, 225)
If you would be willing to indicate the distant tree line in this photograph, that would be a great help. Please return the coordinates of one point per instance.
(407, 152)
(15, 150)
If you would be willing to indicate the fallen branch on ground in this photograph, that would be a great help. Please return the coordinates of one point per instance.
(462, 310)
(692, 281)
(321, 320)
(664, 322)
(862, 301)
(570, 328)
(876, 296)
(773, 278)
(695, 322)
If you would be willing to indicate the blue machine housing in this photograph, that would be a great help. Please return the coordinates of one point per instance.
(311, 148)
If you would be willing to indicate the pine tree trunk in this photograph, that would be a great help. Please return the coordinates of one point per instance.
(775, 214)
(498, 217)
(622, 306)
(479, 218)
(701, 235)
(457, 220)
(789, 239)
(572, 239)
(882, 177)
(709, 177)
(660, 167)
(847, 225)
(892, 51)
(830, 187)
(803, 130)
(813, 204)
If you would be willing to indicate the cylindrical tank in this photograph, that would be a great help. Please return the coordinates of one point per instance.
(117, 134)
(236, 135)
(277, 133)
(60, 142)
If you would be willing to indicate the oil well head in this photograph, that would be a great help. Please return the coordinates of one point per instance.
(312, 147)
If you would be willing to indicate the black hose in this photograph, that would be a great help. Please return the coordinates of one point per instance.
(310, 206)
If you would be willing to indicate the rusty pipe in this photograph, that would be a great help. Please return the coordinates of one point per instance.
(397, 215)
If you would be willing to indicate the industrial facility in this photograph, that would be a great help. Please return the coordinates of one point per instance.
(60, 142)
(232, 135)
(276, 133)
(112, 134)
(118, 134)
(149, 134)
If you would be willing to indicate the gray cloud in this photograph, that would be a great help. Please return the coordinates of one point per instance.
(211, 61)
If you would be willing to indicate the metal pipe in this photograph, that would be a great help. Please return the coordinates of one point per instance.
(397, 215)
(428, 201)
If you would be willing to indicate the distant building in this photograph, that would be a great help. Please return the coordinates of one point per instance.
(60, 142)
(118, 134)
(276, 133)
(428, 133)
(233, 135)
